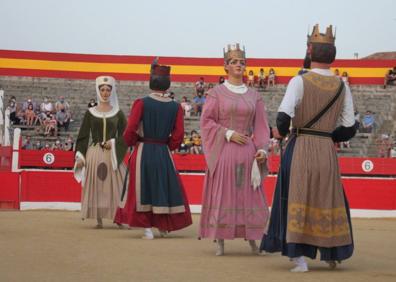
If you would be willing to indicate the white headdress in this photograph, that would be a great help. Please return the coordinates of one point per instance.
(108, 80)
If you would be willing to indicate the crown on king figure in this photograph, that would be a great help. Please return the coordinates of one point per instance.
(317, 37)
(234, 51)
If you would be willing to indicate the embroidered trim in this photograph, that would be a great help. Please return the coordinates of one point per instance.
(138, 186)
(317, 222)
(162, 210)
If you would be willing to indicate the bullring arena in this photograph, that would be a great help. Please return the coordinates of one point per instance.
(42, 237)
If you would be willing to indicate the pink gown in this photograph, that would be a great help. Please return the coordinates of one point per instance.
(231, 208)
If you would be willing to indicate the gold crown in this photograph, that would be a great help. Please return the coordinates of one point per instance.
(317, 37)
(234, 51)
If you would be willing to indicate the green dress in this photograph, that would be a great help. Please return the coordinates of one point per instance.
(104, 170)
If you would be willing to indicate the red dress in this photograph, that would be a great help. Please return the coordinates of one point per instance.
(155, 196)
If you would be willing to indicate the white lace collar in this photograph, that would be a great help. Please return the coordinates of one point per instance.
(238, 89)
(99, 114)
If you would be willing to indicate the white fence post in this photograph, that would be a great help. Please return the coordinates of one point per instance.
(7, 128)
(2, 129)
(15, 149)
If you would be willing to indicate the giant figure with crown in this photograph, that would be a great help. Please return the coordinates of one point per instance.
(310, 211)
(235, 136)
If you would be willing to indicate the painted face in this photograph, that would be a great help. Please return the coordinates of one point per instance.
(236, 67)
(105, 92)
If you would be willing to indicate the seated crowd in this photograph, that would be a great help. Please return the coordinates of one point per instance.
(47, 118)
(67, 145)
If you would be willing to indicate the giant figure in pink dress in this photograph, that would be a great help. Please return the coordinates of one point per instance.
(235, 135)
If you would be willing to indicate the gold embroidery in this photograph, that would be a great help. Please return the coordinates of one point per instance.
(325, 223)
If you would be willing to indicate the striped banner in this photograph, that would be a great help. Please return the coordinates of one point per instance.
(136, 68)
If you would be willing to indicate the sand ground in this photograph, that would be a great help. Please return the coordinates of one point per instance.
(58, 246)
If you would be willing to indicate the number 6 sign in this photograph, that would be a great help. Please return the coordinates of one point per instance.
(367, 166)
(49, 158)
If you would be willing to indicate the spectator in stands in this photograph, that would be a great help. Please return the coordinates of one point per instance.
(46, 106)
(384, 146)
(261, 79)
(198, 102)
(30, 115)
(37, 145)
(390, 77)
(27, 144)
(184, 147)
(200, 85)
(393, 151)
(21, 116)
(271, 77)
(273, 146)
(250, 81)
(41, 117)
(92, 103)
(357, 120)
(368, 122)
(63, 119)
(221, 79)
(50, 125)
(62, 104)
(57, 146)
(196, 147)
(26, 104)
(186, 106)
(187, 140)
(345, 78)
(47, 146)
(12, 107)
(337, 72)
(69, 143)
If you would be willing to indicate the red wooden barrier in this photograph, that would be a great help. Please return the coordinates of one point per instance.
(5, 158)
(44, 158)
(9, 190)
(49, 186)
(194, 163)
